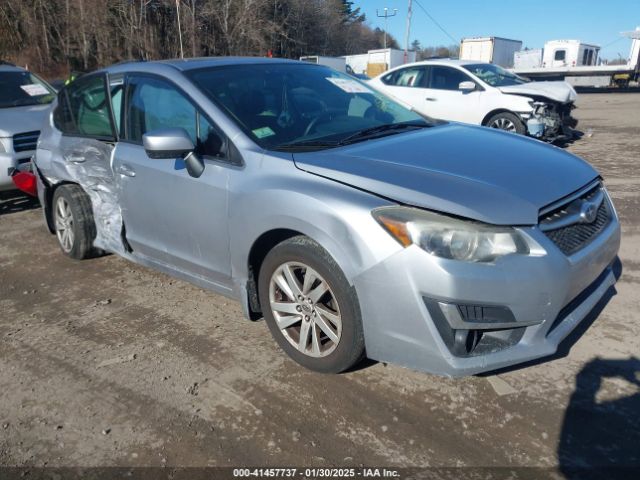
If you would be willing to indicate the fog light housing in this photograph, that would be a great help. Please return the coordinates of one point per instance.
(471, 330)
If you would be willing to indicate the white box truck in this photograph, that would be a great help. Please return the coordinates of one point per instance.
(490, 50)
(337, 63)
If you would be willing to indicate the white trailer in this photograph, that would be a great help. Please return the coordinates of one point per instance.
(490, 50)
(374, 62)
(358, 63)
(526, 59)
(570, 53)
(579, 64)
(337, 63)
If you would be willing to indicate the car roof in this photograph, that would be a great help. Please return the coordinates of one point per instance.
(449, 61)
(7, 67)
(203, 62)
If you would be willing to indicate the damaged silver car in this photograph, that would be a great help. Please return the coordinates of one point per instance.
(353, 225)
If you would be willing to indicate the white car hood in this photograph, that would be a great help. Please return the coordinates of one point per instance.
(559, 91)
(22, 119)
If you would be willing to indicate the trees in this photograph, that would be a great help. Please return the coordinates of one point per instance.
(423, 53)
(56, 36)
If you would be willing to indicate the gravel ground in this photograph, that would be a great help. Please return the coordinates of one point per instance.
(106, 363)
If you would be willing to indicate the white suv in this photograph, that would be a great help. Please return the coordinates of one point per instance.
(24, 102)
(483, 94)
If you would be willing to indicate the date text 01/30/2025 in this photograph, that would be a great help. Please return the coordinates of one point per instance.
(315, 472)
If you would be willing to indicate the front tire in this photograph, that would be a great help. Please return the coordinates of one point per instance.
(73, 222)
(509, 122)
(309, 306)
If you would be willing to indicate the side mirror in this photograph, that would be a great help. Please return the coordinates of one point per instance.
(467, 86)
(167, 143)
(173, 143)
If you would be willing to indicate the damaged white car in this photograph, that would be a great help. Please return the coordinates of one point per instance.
(483, 94)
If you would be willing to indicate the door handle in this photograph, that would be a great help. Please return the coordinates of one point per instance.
(431, 99)
(126, 170)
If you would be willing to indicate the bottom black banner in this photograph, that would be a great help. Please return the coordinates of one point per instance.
(312, 473)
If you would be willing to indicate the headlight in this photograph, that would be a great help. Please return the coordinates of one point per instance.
(449, 237)
(3, 147)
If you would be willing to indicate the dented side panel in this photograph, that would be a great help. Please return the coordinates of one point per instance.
(88, 163)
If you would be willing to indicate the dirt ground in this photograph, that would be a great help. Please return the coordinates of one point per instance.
(106, 363)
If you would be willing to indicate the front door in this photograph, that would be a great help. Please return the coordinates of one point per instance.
(169, 216)
(444, 99)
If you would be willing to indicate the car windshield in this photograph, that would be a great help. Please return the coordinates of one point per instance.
(494, 75)
(289, 105)
(18, 89)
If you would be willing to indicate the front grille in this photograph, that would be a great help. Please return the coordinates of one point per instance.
(23, 142)
(571, 238)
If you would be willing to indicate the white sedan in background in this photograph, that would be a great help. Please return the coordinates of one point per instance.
(483, 94)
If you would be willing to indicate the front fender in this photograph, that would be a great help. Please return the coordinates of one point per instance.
(336, 216)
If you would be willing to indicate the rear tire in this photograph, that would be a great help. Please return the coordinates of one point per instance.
(73, 222)
(311, 310)
(509, 122)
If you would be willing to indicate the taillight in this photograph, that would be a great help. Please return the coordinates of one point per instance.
(26, 182)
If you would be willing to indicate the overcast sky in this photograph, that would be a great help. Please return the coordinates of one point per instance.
(533, 21)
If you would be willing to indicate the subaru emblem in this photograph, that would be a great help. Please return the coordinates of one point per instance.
(588, 212)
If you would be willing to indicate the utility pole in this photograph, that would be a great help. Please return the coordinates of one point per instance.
(179, 28)
(408, 32)
(386, 15)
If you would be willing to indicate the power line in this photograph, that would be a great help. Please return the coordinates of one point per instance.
(611, 43)
(436, 22)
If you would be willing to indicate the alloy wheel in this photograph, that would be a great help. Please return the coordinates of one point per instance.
(64, 224)
(503, 124)
(305, 309)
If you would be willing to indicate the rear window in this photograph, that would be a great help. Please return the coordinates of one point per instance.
(18, 89)
(560, 55)
(407, 77)
(83, 109)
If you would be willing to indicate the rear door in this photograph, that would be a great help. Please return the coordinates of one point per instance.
(169, 216)
(84, 119)
(407, 84)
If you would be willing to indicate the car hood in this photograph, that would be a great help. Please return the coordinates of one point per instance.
(473, 172)
(559, 91)
(22, 119)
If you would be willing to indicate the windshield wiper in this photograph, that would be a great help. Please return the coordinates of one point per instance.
(374, 132)
(308, 144)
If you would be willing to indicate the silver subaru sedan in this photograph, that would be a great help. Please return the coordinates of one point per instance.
(353, 225)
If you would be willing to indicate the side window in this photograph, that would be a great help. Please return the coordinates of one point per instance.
(407, 77)
(446, 78)
(155, 104)
(560, 55)
(83, 109)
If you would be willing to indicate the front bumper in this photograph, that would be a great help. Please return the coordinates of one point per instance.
(551, 122)
(548, 293)
(9, 163)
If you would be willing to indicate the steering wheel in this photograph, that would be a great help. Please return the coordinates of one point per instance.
(326, 115)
